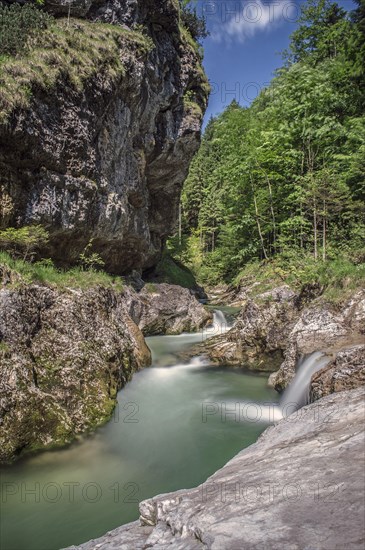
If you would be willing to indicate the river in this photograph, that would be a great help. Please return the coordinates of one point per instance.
(175, 424)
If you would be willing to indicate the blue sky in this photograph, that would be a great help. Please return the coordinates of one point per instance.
(244, 47)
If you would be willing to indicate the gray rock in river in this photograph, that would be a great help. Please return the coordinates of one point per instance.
(167, 309)
(260, 333)
(300, 487)
(345, 372)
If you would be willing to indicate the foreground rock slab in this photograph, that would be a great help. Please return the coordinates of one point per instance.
(301, 486)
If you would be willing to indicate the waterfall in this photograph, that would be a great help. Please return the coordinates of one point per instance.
(296, 394)
(220, 325)
(220, 321)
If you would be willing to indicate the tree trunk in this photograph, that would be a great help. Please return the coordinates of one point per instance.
(324, 232)
(315, 230)
(272, 211)
(179, 224)
(258, 223)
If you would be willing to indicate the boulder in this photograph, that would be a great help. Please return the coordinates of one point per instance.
(167, 309)
(345, 372)
(322, 327)
(260, 333)
(64, 354)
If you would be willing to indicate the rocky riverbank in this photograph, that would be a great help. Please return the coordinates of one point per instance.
(276, 328)
(65, 353)
(300, 486)
(333, 330)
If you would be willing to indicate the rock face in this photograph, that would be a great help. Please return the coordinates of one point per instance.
(321, 327)
(276, 328)
(63, 357)
(167, 309)
(300, 486)
(345, 372)
(64, 354)
(260, 334)
(105, 160)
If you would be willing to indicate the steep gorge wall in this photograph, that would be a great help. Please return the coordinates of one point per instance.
(106, 160)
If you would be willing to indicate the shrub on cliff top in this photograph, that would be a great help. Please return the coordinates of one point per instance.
(24, 242)
(194, 23)
(19, 26)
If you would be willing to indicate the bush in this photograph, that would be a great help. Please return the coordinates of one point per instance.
(89, 259)
(19, 25)
(195, 24)
(24, 242)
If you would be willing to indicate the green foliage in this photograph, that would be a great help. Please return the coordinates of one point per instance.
(195, 24)
(285, 178)
(322, 30)
(89, 259)
(44, 272)
(24, 242)
(338, 278)
(170, 270)
(20, 27)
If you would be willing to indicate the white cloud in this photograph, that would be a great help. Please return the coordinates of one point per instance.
(238, 21)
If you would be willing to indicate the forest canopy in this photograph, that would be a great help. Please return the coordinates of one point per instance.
(286, 176)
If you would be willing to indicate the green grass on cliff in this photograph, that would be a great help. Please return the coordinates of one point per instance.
(45, 273)
(72, 52)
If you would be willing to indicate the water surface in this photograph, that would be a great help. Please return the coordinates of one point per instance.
(171, 430)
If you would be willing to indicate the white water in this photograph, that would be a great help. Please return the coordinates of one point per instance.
(296, 394)
(220, 324)
(165, 348)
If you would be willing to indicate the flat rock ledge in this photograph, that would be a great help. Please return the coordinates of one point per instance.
(300, 487)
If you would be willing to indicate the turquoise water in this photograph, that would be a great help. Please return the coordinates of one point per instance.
(169, 432)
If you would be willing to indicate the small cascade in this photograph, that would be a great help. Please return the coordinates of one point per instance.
(220, 325)
(296, 394)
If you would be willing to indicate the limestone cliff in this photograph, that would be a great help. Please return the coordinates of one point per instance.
(97, 137)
